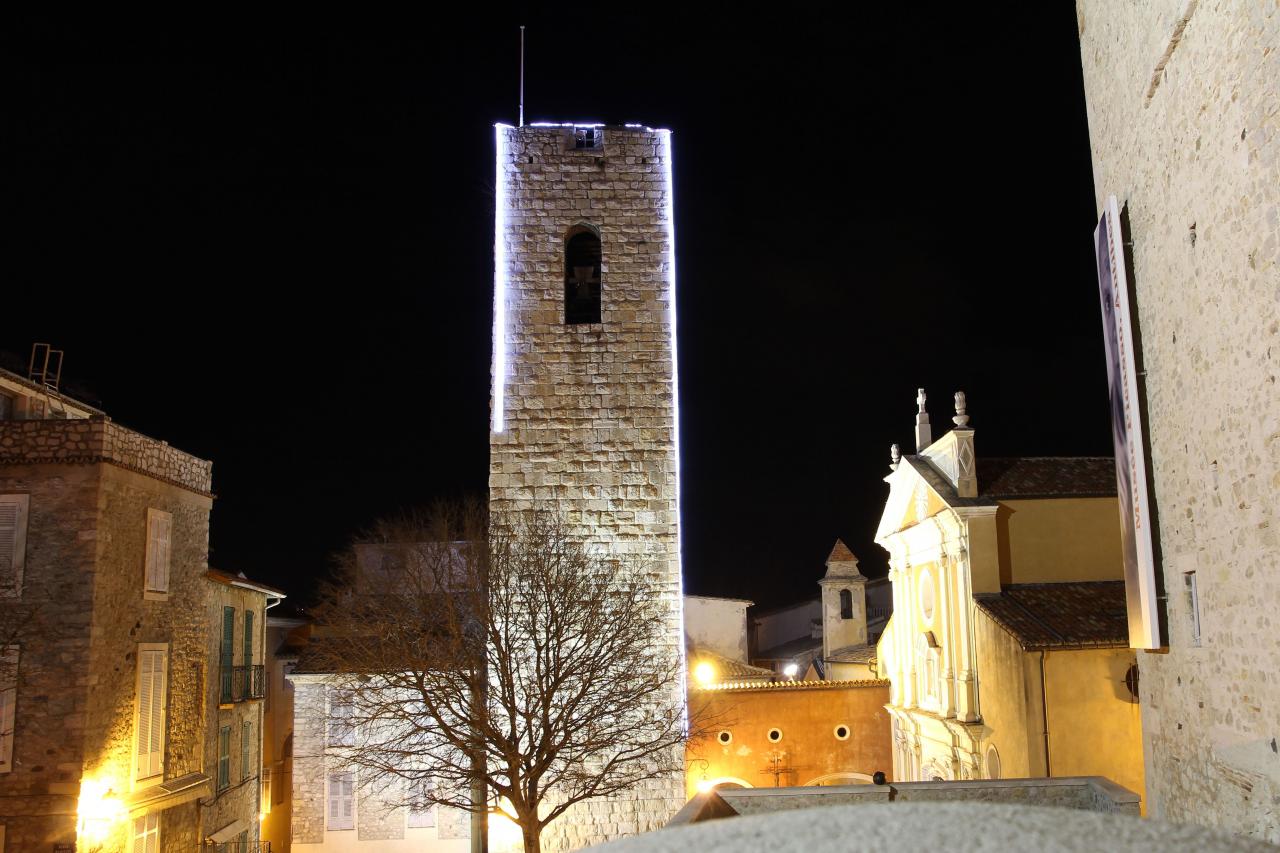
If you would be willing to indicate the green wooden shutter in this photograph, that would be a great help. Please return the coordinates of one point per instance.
(248, 637)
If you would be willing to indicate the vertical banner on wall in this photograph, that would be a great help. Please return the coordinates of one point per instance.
(1126, 431)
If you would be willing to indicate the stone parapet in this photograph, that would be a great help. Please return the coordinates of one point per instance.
(98, 439)
(1088, 793)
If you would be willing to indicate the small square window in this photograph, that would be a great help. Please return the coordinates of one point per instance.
(588, 138)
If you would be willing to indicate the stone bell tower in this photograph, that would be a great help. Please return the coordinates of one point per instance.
(584, 398)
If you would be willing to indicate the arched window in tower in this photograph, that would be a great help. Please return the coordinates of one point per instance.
(846, 604)
(582, 275)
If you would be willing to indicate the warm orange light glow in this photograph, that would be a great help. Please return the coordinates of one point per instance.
(704, 673)
(704, 785)
(97, 809)
(504, 832)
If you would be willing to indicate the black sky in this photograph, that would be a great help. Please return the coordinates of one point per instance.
(269, 243)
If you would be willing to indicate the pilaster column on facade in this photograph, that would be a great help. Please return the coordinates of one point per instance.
(947, 693)
(966, 680)
(911, 691)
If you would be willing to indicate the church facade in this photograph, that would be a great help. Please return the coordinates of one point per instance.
(1008, 648)
(584, 398)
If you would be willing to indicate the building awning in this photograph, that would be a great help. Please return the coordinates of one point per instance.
(170, 793)
(229, 832)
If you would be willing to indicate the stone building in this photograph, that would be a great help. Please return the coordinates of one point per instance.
(112, 625)
(584, 405)
(1008, 647)
(1184, 120)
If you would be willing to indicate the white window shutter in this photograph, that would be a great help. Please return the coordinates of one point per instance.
(152, 680)
(341, 801)
(159, 536)
(8, 705)
(13, 542)
(166, 537)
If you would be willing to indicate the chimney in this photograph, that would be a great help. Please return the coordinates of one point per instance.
(924, 435)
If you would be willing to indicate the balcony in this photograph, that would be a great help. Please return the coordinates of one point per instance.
(241, 683)
(236, 847)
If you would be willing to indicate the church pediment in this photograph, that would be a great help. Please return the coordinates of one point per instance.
(912, 499)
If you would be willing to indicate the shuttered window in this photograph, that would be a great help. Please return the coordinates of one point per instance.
(226, 652)
(422, 812)
(13, 543)
(248, 637)
(8, 705)
(224, 757)
(246, 750)
(153, 670)
(159, 536)
(146, 834)
(342, 801)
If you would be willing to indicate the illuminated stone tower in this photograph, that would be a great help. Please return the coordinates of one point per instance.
(584, 405)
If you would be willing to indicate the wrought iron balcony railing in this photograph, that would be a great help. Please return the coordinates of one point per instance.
(241, 683)
(236, 847)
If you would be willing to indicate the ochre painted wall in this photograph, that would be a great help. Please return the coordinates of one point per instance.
(808, 717)
(1007, 702)
(1075, 539)
(1095, 728)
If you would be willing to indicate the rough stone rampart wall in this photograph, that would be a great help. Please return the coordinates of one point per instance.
(1184, 119)
(99, 440)
(590, 409)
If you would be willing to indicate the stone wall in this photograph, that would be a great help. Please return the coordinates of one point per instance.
(82, 615)
(590, 411)
(1184, 119)
(1090, 793)
(97, 439)
(308, 793)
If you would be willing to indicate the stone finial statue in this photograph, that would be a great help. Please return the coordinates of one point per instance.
(924, 433)
(961, 419)
(895, 456)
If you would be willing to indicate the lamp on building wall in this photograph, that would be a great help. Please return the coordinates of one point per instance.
(704, 673)
(97, 810)
(790, 670)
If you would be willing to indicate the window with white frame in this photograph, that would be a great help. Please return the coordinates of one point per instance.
(342, 730)
(422, 812)
(159, 536)
(146, 834)
(342, 801)
(13, 543)
(149, 717)
(8, 705)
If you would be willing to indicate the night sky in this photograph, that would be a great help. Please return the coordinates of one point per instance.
(269, 242)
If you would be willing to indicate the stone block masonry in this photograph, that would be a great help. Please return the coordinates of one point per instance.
(1184, 118)
(589, 410)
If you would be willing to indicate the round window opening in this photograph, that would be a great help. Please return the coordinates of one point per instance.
(842, 732)
(725, 737)
(926, 596)
(775, 735)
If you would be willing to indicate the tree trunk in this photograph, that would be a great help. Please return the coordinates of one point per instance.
(532, 837)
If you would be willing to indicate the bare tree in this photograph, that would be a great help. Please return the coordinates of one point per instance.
(508, 657)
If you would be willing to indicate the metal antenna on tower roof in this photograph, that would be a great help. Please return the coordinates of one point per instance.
(522, 76)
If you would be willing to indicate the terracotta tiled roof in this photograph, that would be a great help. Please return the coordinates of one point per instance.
(796, 685)
(1047, 477)
(1075, 615)
(861, 653)
(840, 553)
(728, 669)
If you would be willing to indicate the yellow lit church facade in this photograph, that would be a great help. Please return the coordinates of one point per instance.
(1007, 651)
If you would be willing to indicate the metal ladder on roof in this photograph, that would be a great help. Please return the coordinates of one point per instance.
(45, 370)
